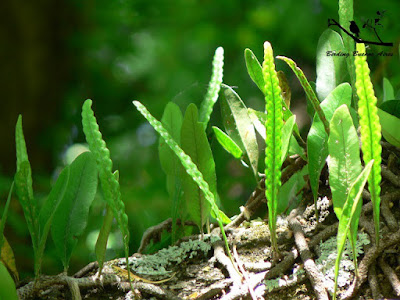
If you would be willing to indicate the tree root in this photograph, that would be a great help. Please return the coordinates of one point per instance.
(369, 258)
(311, 269)
(390, 275)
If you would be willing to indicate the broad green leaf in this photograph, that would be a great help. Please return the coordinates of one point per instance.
(189, 166)
(254, 69)
(172, 121)
(295, 148)
(213, 87)
(344, 164)
(273, 141)
(351, 211)
(195, 144)
(391, 107)
(288, 193)
(331, 69)
(7, 285)
(258, 118)
(345, 16)
(388, 92)
(287, 131)
(71, 215)
(370, 130)
(48, 210)
(227, 143)
(239, 127)
(344, 157)
(317, 147)
(390, 127)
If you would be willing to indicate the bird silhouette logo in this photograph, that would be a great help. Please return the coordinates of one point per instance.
(354, 29)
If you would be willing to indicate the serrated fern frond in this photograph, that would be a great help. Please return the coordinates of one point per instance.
(109, 181)
(370, 130)
(273, 150)
(187, 163)
(307, 89)
(213, 87)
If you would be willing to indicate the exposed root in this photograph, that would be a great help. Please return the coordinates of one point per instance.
(390, 275)
(310, 267)
(370, 256)
(373, 282)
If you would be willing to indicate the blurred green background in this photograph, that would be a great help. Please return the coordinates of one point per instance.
(56, 54)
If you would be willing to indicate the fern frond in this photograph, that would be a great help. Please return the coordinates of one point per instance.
(370, 130)
(273, 150)
(109, 181)
(213, 87)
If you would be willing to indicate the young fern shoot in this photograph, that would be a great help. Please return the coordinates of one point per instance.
(109, 180)
(273, 150)
(370, 131)
(214, 86)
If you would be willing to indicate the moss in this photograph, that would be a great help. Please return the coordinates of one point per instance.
(326, 264)
(160, 262)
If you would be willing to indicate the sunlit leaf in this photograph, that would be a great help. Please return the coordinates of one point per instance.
(239, 126)
(331, 67)
(227, 143)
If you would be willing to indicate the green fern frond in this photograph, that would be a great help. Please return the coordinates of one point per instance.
(109, 181)
(213, 87)
(187, 163)
(370, 130)
(273, 150)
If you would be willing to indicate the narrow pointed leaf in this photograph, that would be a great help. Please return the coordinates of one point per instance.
(4, 216)
(349, 213)
(71, 215)
(23, 184)
(370, 131)
(239, 126)
(286, 92)
(308, 90)
(213, 87)
(254, 69)
(227, 143)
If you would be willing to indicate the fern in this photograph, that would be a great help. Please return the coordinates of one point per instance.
(109, 180)
(188, 164)
(308, 89)
(370, 130)
(213, 87)
(273, 151)
(24, 190)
